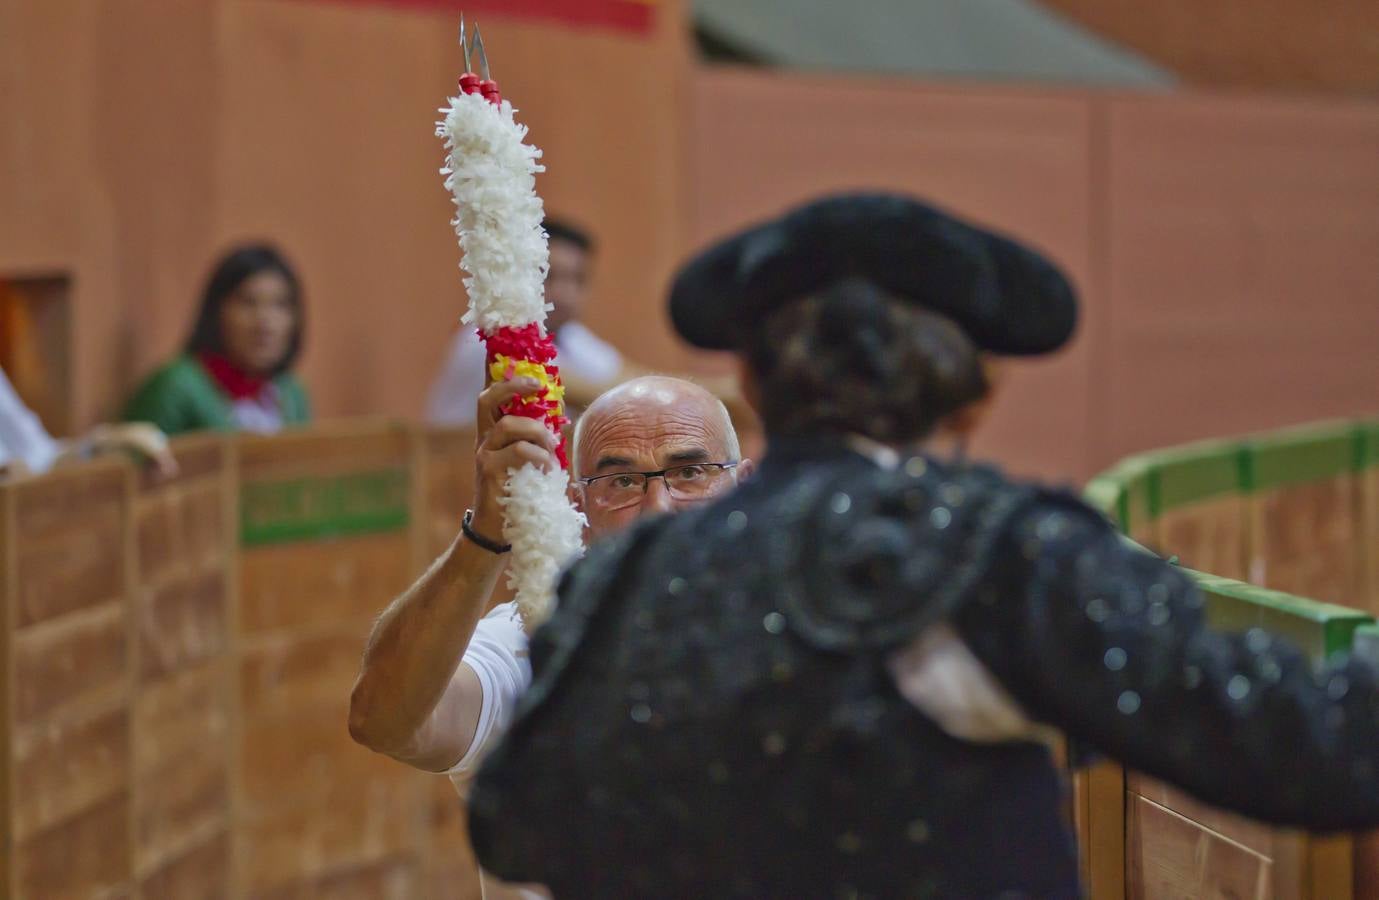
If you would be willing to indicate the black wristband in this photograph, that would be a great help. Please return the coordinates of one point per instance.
(479, 539)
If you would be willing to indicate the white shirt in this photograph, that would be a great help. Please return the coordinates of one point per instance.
(22, 435)
(455, 391)
(498, 655)
(261, 414)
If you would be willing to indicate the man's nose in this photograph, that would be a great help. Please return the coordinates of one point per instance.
(657, 498)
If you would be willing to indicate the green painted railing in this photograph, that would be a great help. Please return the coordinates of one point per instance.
(1136, 492)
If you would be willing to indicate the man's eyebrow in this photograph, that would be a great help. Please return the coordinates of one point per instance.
(606, 462)
(696, 454)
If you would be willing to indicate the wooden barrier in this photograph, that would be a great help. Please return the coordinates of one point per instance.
(1297, 510)
(182, 532)
(176, 658)
(175, 665)
(68, 654)
(327, 534)
(1305, 520)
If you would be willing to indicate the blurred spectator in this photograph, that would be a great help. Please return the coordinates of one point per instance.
(27, 448)
(235, 373)
(588, 364)
(584, 356)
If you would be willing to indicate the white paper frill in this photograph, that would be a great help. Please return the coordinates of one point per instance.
(491, 174)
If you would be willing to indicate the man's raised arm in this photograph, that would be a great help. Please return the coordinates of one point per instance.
(413, 699)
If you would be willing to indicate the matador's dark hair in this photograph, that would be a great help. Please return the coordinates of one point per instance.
(851, 358)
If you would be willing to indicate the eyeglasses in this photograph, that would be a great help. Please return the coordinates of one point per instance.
(695, 481)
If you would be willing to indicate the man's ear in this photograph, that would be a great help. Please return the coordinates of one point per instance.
(746, 469)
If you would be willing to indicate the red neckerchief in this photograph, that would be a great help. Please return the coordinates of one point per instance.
(232, 380)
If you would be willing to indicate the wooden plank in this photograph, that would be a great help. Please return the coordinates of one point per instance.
(1208, 535)
(1251, 835)
(334, 826)
(180, 714)
(453, 872)
(1106, 822)
(181, 772)
(393, 879)
(302, 585)
(1307, 540)
(1170, 857)
(1330, 867)
(181, 624)
(58, 661)
(281, 675)
(9, 584)
(235, 744)
(448, 484)
(201, 873)
(181, 529)
(85, 856)
(46, 506)
(202, 454)
(180, 803)
(129, 550)
(73, 567)
(307, 762)
(180, 543)
(66, 765)
(327, 449)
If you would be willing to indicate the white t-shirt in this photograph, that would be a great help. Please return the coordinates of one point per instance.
(498, 655)
(22, 435)
(455, 391)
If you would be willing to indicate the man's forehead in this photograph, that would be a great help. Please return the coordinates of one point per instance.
(648, 420)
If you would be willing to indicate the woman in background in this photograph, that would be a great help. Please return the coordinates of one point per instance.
(235, 373)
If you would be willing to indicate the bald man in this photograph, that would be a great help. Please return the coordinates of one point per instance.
(442, 672)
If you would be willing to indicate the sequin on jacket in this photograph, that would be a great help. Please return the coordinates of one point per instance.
(711, 715)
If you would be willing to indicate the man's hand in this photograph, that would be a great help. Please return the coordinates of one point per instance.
(503, 443)
(142, 439)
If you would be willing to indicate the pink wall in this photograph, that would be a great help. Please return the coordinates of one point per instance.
(1227, 247)
(141, 137)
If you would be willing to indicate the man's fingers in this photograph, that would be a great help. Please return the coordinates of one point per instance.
(493, 398)
(497, 463)
(512, 429)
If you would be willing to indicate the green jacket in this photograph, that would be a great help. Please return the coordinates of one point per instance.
(182, 396)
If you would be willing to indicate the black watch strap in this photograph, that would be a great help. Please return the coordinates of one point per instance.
(479, 539)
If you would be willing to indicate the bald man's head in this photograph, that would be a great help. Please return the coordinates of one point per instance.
(647, 425)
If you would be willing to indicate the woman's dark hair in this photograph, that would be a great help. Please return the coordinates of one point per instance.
(569, 232)
(854, 359)
(234, 269)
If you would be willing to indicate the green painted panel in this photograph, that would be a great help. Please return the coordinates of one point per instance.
(304, 509)
(1123, 492)
(1104, 493)
(1320, 629)
(1369, 451)
(1197, 472)
(1302, 455)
